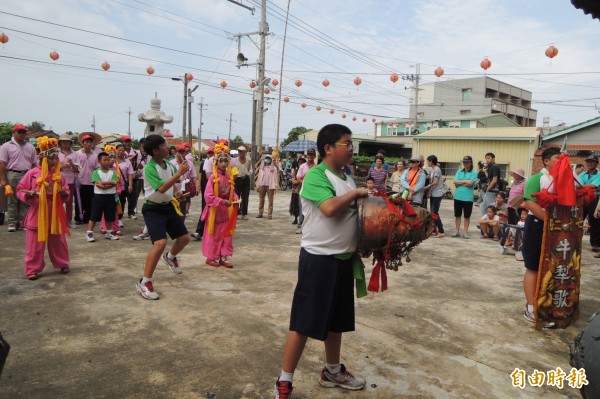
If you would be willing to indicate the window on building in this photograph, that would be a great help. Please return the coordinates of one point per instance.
(449, 168)
(466, 94)
(465, 111)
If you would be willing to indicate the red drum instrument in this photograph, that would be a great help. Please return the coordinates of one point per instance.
(390, 228)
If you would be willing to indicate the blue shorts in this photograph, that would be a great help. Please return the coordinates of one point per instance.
(324, 296)
(161, 219)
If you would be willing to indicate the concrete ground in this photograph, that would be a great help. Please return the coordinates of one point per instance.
(450, 325)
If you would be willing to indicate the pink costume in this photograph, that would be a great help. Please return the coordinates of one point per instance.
(57, 243)
(220, 243)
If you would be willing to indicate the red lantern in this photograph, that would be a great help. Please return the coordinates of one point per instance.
(54, 55)
(105, 66)
(486, 63)
(325, 82)
(252, 85)
(551, 52)
(298, 83)
(150, 71)
(374, 120)
(318, 107)
(331, 111)
(189, 76)
(303, 105)
(354, 118)
(223, 84)
(394, 77)
(364, 119)
(274, 82)
(3, 38)
(286, 100)
(439, 71)
(267, 91)
(357, 81)
(344, 116)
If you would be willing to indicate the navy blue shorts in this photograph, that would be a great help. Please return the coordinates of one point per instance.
(162, 219)
(324, 296)
(533, 232)
(103, 204)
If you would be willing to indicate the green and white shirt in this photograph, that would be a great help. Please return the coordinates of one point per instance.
(322, 235)
(109, 175)
(154, 177)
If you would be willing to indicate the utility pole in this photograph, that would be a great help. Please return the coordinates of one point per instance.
(129, 125)
(261, 75)
(415, 79)
(190, 101)
(185, 106)
(230, 120)
(201, 106)
(94, 123)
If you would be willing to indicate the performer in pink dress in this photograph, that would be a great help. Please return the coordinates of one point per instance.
(45, 189)
(220, 214)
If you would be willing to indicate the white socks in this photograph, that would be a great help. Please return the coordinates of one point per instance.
(334, 368)
(145, 280)
(286, 376)
(170, 255)
(530, 308)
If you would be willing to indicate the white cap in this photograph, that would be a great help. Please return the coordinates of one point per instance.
(241, 148)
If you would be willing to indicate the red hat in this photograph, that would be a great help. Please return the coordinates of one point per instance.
(125, 138)
(210, 151)
(181, 147)
(19, 127)
(87, 137)
(187, 145)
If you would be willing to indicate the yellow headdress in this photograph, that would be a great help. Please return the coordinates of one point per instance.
(111, 150)
(48, 147)
(219, 149)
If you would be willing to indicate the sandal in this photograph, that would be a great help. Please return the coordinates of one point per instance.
(484, 236)
(65, 270)
(269, 217)
(496, 238)
(32, 277)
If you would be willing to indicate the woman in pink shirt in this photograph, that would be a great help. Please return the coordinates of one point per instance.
(266, 184)
(516, 190)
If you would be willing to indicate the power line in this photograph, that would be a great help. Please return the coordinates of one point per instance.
(112, 51)
(114, 37)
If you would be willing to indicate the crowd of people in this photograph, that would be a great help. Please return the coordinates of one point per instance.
(58, 188)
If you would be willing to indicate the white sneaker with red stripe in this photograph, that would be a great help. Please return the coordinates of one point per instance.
(146, 289)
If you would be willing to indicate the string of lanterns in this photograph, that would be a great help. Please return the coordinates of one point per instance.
(486, 63)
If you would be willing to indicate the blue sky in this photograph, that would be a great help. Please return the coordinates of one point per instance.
(334, 40)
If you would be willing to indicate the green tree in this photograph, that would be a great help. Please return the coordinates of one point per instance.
(5, 131)
(236, 142)
(294, 134)
(35, 126)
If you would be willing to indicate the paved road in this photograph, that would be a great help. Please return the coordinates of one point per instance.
(450, 325)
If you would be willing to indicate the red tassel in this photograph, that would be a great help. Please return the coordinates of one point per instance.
(378, 271)
(374, 280)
